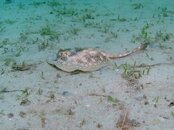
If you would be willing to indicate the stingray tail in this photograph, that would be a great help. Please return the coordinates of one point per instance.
(143, 46)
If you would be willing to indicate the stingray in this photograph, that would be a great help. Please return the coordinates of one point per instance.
(88, 59)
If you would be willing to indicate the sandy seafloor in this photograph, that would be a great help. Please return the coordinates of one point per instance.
(44, 98)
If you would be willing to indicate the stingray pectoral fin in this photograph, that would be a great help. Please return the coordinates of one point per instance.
(73, 68)
(92, 67)
(65, 68)
(53, 64)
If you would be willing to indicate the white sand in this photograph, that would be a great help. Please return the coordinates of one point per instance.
(55, 100)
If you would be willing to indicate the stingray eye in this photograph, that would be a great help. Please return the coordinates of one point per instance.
(64, 54)
(68, 53)
(59, 54)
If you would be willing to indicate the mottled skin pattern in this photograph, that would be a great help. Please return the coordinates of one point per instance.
(89, 59)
